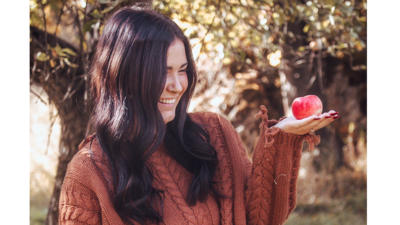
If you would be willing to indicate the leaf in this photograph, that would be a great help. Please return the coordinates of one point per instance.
(84, 46)
(194, 34)
(358, 47)
(59, 51)
(88, 26)
(362, 19)
(96, 14)
(52, 63)
(353, 34)
(226, 61)
(42, 56)
(101, 29)
(329, 3)
(342, 46)
(306, 28)
(73, 65)
(69, 51)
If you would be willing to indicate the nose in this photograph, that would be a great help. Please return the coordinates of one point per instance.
(174, 84)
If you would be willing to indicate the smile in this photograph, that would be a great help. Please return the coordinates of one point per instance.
(167, 101)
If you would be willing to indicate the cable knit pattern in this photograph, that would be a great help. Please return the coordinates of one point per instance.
(271, 196)
(224, 172)
(171, 187)
(262, 192)
(79, 206)
(101, 164)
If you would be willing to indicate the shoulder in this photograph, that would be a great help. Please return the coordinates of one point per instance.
(90, 162)
(220, 130)
(213, 122)
(89, 150)
(209, 119)
(202, 117)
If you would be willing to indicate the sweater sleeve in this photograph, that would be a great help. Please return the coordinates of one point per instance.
(87, 193)
(270, 181)
(78, 204)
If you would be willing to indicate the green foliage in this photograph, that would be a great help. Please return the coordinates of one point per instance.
(41, 183)
(88, 26)
(57, 54)
(42, 56)
(255, 27)
(332, 26)
(242, 34)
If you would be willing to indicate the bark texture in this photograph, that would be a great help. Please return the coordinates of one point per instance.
(66, 88)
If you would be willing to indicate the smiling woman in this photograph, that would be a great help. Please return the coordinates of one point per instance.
(176, 82)
(151, 162)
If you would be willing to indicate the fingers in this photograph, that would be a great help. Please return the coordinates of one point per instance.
(326, 118)
(329, 114)
(305, 125)
(309, 120)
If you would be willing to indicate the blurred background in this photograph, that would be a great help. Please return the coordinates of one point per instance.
(248, 53)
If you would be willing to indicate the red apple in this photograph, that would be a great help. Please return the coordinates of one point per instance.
(303, 107)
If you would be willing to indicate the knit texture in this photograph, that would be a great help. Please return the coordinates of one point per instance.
(262, 192)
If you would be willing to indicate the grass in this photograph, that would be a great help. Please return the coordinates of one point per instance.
(350, 211)
(38, 216)
(39, 207)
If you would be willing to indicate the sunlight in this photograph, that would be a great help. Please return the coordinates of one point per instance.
(43, 163)
(82, 3)
(275, 58)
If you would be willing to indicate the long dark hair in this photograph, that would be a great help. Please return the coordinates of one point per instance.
(128, 76)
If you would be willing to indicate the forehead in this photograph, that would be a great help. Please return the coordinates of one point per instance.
(176, 55)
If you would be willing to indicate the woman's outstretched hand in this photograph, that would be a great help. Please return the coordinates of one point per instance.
(307, 125)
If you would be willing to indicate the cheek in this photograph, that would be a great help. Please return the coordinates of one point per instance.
(184, 82)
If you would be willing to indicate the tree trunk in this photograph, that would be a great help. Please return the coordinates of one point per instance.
(66, 88)
(73, 129)
(336, 84)
(305, 76)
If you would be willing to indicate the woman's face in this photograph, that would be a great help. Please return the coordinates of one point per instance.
(177, 81)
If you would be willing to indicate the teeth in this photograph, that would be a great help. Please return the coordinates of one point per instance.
(167, 101)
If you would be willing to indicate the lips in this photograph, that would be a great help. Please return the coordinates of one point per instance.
(167, 100)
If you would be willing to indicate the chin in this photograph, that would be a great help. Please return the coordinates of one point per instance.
(168, 117)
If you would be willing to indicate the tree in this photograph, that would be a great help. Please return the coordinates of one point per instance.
(259, 51)
(274, 51)
(60, 69)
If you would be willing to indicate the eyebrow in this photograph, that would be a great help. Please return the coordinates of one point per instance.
(170, 68)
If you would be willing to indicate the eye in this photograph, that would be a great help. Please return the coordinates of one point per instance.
(184, 71)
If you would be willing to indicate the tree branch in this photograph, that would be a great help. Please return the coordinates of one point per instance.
(59, 17)
(45, 33)
(38, 96)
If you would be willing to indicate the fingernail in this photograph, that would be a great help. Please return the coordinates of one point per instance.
(335, 117)
(317, 118)
(332, 114)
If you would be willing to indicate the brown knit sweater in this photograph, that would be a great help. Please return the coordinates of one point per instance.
(262, 192)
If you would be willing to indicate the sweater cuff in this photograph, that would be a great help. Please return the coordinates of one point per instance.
(276, 161)
(275, 136)
(271, 196)
(269, 131)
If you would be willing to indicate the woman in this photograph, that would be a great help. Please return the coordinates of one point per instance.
(151, 162)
